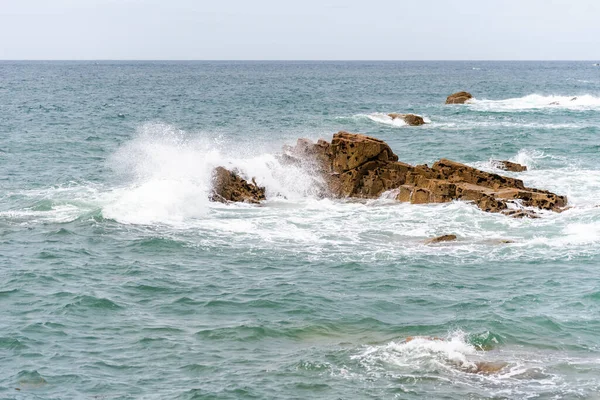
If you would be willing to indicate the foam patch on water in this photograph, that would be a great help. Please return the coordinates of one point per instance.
(162, 176)
(60, 204)
(57, 214)
(536, 101)
(515, 373)
(474, 124)
(385, 119)
(422, 354)
(532, 159)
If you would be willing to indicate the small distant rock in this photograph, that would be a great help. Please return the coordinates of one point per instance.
(443, 238)
(121, 115)
(459, 98)
(410, 119)
(509, 166)
(230, 187)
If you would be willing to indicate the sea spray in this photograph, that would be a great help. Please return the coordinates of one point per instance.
(166, 175)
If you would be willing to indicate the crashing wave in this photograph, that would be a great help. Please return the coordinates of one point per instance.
(167, 176)
(387, 119)
(536, 101)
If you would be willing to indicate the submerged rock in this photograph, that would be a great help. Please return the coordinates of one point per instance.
(410, 119)
(519, 213)
(478, 367)
(509, 166)
(459, 98)
(443, 238)
(229, 186)
(359, 166)
(487, 368)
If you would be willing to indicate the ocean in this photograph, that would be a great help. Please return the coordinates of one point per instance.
(120, 280)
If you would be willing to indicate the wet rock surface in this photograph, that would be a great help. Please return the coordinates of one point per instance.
(509, 166)
(228, 186)
(459, 98)
(359, 166)
(410, 119)
(440, 239)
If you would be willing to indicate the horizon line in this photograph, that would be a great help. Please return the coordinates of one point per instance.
(295, 60)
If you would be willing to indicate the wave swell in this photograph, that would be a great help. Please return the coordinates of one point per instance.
(536, 101)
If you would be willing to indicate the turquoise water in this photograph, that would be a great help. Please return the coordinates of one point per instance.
(119, 280)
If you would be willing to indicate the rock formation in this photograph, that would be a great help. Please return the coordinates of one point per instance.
(229, 186)
(458, 98)
(359, 166)
(509, 166)
(355, 165)
(410, 119)
(439, 239)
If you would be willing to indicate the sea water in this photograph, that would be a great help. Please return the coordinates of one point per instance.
(120, 280)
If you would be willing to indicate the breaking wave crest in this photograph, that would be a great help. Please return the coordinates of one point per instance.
(536, 101)
(385, 119)
(426, 354)
(494, 372)
(169, 172)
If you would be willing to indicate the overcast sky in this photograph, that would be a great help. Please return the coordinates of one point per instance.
(300, 29)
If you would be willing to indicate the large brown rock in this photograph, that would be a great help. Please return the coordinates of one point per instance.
(360, 166)
(349, 151)
(458, 98)
(410, 119)
(229, 186)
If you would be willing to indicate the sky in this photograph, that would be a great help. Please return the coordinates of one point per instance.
(300, 30)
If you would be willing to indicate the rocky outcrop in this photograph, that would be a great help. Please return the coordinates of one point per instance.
(229, 186)
(355, 165)
(410, 119)
(509, 166)
(359, 166)
(440, 239)
(459, 98)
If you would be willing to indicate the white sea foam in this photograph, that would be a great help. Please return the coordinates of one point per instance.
(476, 124)
(57, 214)
(555, 173)
(536, 101)
(168, 175)
(383, 118)
(529, 158)
(163, 177)
(453, 360)
(422, 354)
